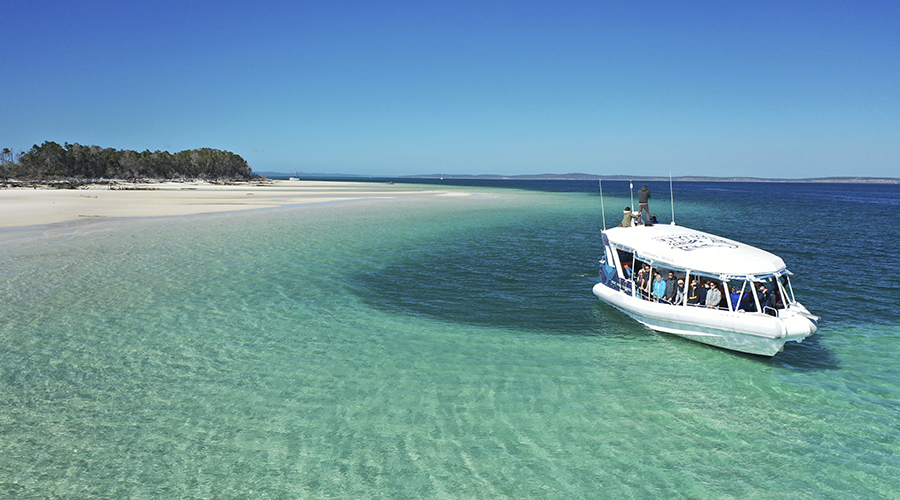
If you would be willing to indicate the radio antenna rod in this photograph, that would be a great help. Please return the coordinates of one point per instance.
(602, 210)
(672, 197)
(631, 192)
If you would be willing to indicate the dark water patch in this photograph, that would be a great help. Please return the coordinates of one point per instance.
(531, 275)
(810, 355)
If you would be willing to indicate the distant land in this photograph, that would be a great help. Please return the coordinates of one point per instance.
(594, 177)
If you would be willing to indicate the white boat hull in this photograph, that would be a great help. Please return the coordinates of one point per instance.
(753, 333)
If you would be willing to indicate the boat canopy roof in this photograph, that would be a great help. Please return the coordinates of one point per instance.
(680, 247)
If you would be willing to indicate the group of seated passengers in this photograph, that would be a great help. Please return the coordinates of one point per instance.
(707, 293)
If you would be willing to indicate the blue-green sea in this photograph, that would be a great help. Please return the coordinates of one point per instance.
(441, 347)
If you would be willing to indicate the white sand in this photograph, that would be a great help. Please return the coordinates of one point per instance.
(20, 207)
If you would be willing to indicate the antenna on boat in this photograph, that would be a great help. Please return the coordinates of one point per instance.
(631, 192)
(602, 210)
(672, 197)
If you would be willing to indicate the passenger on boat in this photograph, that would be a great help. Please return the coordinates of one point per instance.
(671, 286)
(694, 294)
(651, 282)
(659, 289)
(629, 218)
(776, 294)
(713, 295)
(735, 298)
(704, 287)
(765, 297)
(626, 270)
(643, 201)
(679, 293)
(642, 280)
(747, 303)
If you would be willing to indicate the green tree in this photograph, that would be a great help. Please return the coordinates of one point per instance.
(52, 161)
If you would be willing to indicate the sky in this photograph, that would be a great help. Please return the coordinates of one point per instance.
(782, 89)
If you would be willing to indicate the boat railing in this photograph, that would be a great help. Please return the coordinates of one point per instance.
(610, 277)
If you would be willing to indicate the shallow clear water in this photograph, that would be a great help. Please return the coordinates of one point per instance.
(441, 349)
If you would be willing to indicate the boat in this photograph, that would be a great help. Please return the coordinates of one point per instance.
(757, 313)
(295, 177)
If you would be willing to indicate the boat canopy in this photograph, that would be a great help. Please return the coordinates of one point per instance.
(679, 247)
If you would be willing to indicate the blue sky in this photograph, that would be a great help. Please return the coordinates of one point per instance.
(746, 88)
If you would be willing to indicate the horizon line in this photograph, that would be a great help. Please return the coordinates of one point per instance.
(596, 177)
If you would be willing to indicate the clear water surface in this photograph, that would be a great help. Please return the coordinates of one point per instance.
(448, 348)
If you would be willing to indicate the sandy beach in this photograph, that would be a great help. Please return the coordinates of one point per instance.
(23, 207)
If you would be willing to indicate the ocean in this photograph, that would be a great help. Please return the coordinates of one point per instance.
(441, 348)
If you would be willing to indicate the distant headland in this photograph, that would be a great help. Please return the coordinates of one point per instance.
(683, 178)
(588, 177)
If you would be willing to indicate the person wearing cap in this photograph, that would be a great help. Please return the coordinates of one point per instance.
(629, 218)
(679, 293)
(696, 294)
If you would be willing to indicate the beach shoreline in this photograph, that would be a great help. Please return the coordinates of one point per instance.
(29, 206)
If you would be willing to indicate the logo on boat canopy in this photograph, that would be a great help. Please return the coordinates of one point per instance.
(694, 241)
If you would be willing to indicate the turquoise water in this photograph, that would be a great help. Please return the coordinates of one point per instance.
(445, 348)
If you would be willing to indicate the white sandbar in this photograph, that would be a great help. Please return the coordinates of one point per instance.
(21, 207)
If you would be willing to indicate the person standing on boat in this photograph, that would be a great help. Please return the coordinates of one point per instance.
(629, 218)
(735, 298)
(694, 294)
(659, 289)
(747, 303)
(643, 280)
(644, 201)
(679, 293)
(671, 287)
(765, 297)
(713, 296)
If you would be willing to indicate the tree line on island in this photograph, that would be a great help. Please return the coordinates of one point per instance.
(76, 164)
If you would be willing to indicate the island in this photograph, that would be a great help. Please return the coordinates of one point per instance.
(73, 165)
